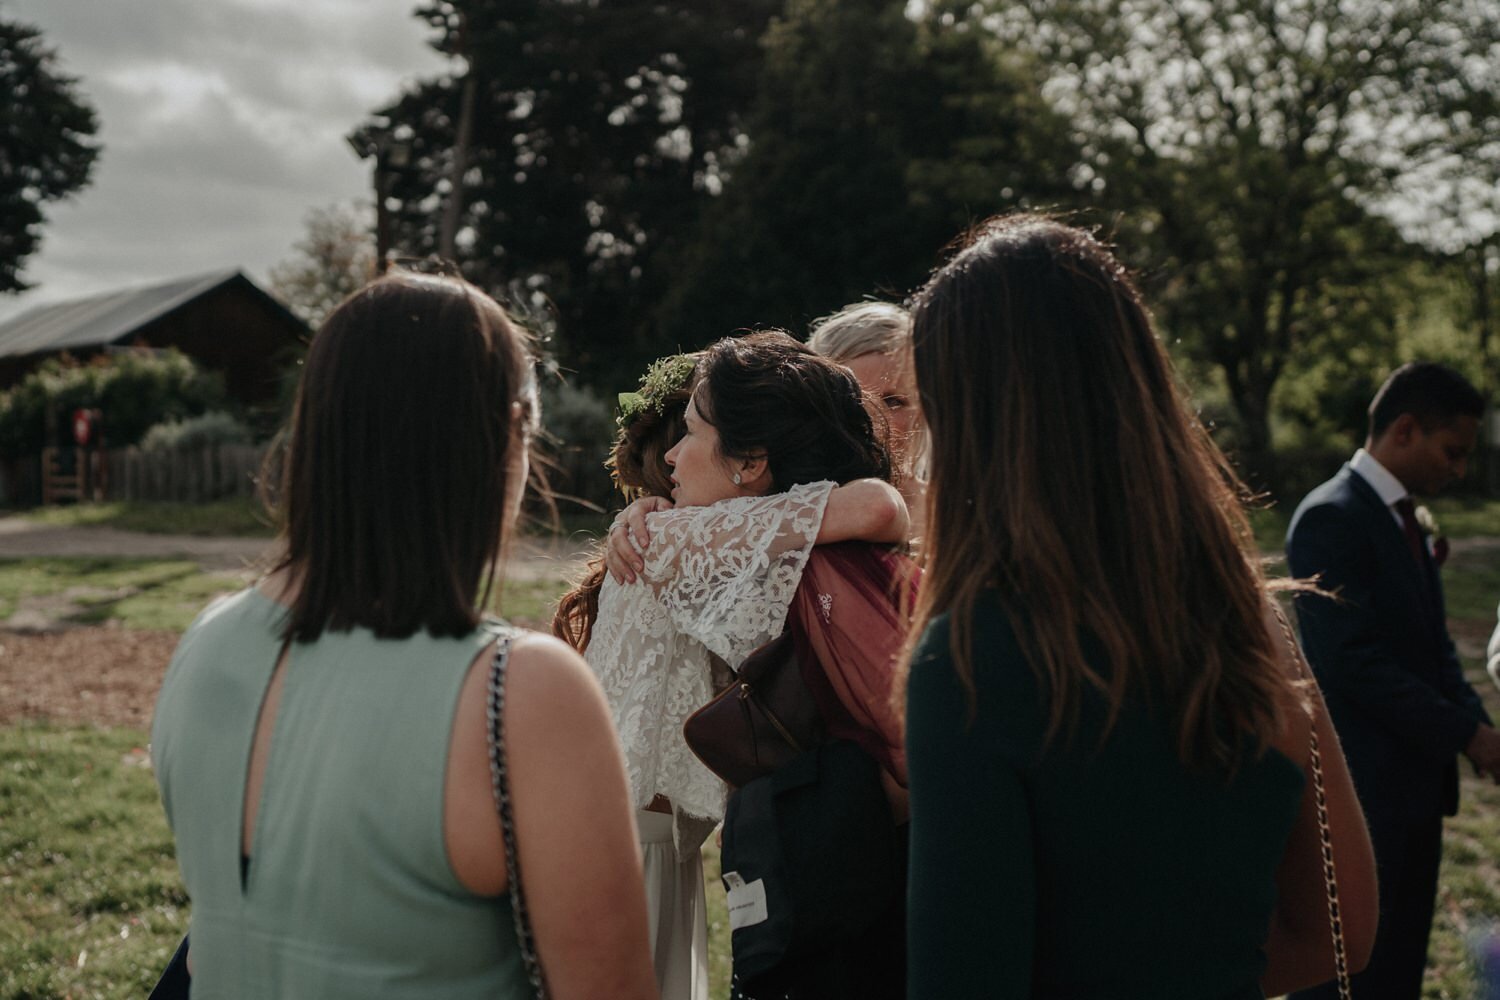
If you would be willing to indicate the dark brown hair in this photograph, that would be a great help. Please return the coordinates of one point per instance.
(1069, 474)
(767, 393)
(1435, 394)
(801, 410)
(638, 468)
(397, 476)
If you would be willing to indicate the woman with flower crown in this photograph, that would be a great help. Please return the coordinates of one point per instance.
(709, 556)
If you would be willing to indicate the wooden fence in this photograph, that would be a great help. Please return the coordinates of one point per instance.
(186, 476)
(215, 472)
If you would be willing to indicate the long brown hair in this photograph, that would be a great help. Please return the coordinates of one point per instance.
(394, 489)
(637, 465)
(1070, 475)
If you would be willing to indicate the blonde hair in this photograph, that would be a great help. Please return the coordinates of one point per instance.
(872, 328)
(860, 329)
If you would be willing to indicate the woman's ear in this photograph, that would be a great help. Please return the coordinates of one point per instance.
(754, 474)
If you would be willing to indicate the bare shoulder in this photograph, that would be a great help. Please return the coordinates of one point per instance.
(545, 678)
(551, 693)
(556, 729)
(544, 665)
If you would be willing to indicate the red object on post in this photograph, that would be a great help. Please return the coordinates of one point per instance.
(83, 427)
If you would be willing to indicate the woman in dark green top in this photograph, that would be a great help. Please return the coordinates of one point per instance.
(1107, 736)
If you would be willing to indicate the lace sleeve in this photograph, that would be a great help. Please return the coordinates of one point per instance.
(726, 573)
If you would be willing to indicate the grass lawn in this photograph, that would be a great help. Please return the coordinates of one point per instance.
(138, 593)
(236, 516)
(168, 593)
(91, 905)
(244, 516)
(90, 900)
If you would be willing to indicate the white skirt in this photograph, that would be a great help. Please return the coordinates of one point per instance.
(675, 910)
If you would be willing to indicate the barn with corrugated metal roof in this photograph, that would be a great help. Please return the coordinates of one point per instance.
(223, 321)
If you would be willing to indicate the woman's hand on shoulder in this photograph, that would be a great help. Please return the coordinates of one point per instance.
(575, 827)
(866, 510)
(628, 537)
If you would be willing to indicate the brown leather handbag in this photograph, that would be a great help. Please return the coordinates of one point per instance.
(764, 718)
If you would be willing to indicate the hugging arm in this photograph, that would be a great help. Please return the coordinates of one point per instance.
(726, 573)
(868, 510)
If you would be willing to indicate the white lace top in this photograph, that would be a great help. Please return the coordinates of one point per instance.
(717, 579)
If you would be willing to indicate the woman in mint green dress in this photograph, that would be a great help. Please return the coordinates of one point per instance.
(1108, 742)
(321, 739)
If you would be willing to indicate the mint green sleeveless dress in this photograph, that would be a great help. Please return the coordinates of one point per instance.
(349, 893)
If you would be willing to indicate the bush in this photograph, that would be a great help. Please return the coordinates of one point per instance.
(212, 428)
(580, 429)
(134, 390)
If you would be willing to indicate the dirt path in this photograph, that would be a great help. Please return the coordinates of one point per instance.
(533, 558)
(108, 675)
(98, 675)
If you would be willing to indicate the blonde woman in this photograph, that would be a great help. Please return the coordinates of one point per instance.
(873, 340)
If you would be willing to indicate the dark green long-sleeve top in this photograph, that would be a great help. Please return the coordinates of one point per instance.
(1078, 871)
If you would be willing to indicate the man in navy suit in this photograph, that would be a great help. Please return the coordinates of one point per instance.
(1382, 654)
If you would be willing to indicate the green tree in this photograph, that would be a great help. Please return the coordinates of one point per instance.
(875, 138)
(597, 131)
(334, 258)
(1256, 151)
(46, 152)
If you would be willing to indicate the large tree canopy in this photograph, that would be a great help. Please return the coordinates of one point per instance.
(1253, 149)
(45, 150)
(666, 173)
(596, 132)
(876, 136)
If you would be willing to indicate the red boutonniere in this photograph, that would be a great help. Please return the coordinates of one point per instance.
(1433, 534)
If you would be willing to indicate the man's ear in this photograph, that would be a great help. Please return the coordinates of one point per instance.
(1403, 429)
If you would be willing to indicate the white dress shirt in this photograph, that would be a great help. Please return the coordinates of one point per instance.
(1382, 481)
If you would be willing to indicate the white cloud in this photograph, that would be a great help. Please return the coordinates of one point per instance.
(223, 124)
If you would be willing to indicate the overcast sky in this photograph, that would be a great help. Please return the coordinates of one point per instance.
(223, 124)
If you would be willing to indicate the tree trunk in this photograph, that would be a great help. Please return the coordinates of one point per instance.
(454, 207)
(1254, 459)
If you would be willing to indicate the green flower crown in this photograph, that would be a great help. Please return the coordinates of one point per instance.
(665, 377)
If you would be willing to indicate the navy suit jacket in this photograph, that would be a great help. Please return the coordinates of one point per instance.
(1381, 651)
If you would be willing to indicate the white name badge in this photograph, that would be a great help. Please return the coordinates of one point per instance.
(747, 901)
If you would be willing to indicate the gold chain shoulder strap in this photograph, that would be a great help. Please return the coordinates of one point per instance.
(1320, 799)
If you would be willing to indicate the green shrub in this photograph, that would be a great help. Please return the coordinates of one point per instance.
(134, 390)
(580, 429)
(212, 428)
